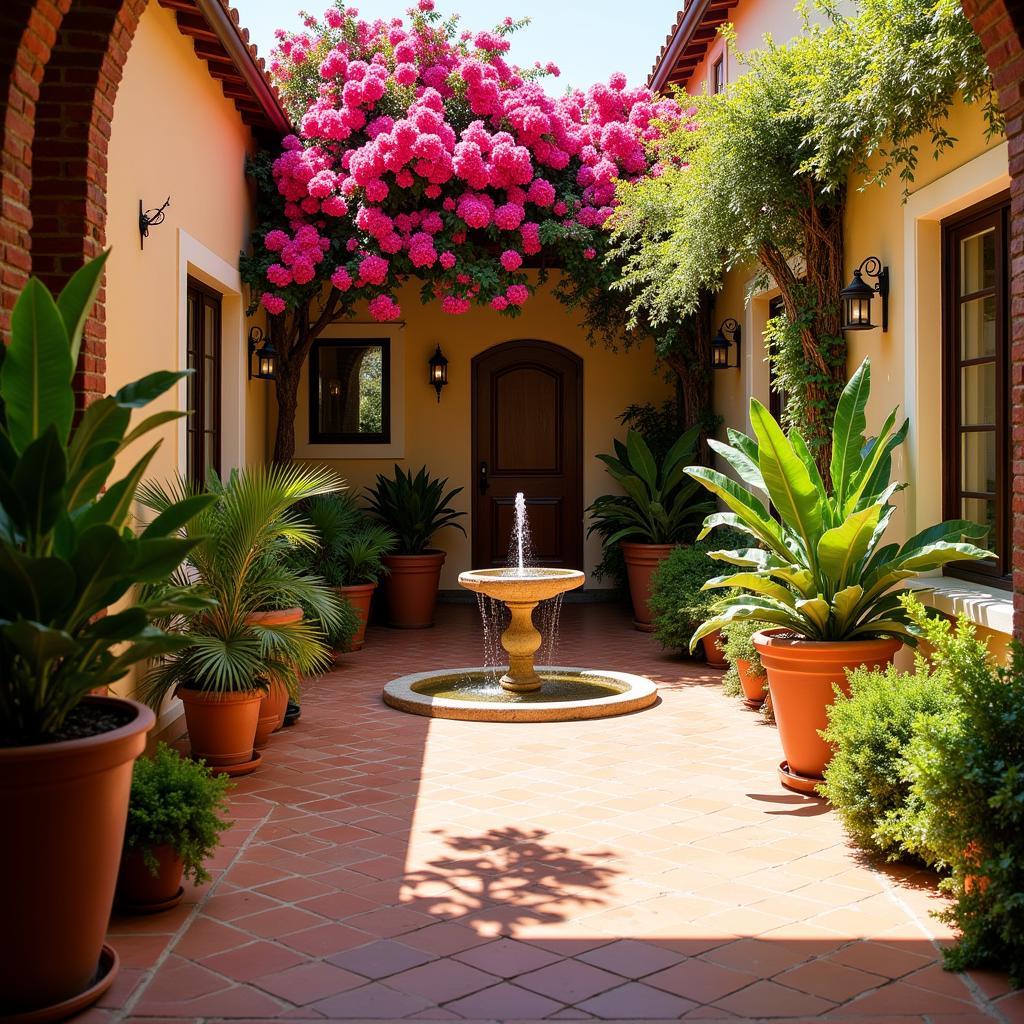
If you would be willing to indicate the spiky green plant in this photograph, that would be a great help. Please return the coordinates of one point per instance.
(659, 506)
(67, 549)
(414, 508)
(239, 561)
(822, 570)
(352, 546)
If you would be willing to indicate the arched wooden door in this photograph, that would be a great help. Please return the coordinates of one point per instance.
(528, 436)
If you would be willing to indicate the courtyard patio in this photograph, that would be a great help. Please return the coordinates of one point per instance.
(386, 866)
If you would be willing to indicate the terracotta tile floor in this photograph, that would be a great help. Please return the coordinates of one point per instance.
(650, 867)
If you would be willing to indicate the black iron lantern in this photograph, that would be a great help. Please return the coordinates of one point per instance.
(857, 295)
(721, 346)
(438, 371)
(263, 354)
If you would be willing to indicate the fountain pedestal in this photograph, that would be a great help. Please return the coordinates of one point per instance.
(521, 642)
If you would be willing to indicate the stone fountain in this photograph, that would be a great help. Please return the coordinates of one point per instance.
(523, 693)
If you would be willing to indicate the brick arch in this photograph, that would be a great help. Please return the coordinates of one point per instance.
(28, 31)
(1000, 26)
(69, 173)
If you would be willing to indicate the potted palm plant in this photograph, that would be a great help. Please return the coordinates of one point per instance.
(249, 642)
(351, 553)
(658, 511)
(822, 576)
(414, 508)
(69, 553)
(175, 817)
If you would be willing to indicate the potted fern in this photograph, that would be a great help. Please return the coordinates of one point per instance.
(351, 553)
(175, 817)
(69, 553)
(251, 641)
(414, 508)
(658, 511)
(822, 578)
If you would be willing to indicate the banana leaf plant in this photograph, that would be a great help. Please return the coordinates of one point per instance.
(822, 570)
(68, 547)
(414, 508)
(660, 505)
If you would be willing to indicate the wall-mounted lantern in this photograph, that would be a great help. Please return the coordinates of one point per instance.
(438, 371)
(729, 334)
(262, 354)
(857, 295)
(150, 219)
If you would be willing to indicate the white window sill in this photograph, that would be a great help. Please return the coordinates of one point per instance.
(985, 606)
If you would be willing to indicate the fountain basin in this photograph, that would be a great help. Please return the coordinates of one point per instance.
(522, 585)
(476, 695)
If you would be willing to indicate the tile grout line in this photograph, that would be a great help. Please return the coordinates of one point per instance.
(129, 1006)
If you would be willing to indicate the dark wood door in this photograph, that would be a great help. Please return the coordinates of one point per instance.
(528, 436)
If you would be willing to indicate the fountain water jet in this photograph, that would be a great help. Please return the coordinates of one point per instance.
(523, 693)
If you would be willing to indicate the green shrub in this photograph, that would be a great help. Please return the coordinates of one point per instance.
(178, 803)
(677, 600)
(966, 771)
(871, 729)
(731, 685)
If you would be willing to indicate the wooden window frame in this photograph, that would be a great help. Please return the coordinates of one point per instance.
(316, 435)
(994, 212)
(718, 74)
(197, 429)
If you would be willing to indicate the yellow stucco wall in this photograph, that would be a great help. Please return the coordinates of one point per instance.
(440, 434)
(174, 133)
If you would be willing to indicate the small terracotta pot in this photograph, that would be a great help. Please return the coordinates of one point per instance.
(411, 588)
(801, 677)
(221, 726)
(359, 595)
(273, 703)
(275, 699)
(974, 883)
(64, 807)
(139, 891)
(641, 562)
(713, 653)
(753, 684)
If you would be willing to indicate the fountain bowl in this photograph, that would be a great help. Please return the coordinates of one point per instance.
(474, 695)
(521, 585)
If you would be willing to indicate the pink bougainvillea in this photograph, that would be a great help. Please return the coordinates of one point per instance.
(421, 151)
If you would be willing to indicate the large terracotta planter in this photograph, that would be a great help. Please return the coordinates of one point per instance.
(753, 684)
(64, 807)
(411, 589)
(359, 595)
(641, 562)
(139, 891)
(221, 726)
(713, 653)
(801, 677)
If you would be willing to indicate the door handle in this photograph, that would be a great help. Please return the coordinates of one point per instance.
(484, 480)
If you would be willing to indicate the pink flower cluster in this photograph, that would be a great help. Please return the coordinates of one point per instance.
(371, 197)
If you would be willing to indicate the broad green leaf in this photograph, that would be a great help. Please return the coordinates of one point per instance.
(142, 392)
(750, 511)
(641, 460)
(158, 419)
(848, 431)
(815, 611)
(744, 466)
(38, 644)
(39, 479)
(178, 515)
(755, 583)
(786, 477)
(682, 450)
(841, 549)
(755, 558)
(844, 607)
(76, 300)
(35, 380)
(870, 463)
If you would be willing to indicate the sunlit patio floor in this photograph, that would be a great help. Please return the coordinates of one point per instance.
(385, 866)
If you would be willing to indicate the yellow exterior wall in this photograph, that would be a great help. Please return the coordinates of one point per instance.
(439, 435)
(175, 133)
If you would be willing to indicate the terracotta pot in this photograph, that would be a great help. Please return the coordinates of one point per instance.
(64, 807)
(275, 700)
(273, 703)
(221, 726)
(411, 589)
(753, 684)
(801, 677)
(641, 562)
(139, 891)
(359, 595)
(713, 653)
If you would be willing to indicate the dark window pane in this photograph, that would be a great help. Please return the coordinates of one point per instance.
(983, 510)
(978, 394)
(978, 461)
(978, 328)
(349, 391)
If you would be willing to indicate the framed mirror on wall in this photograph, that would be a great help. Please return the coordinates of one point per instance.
(350, 391)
